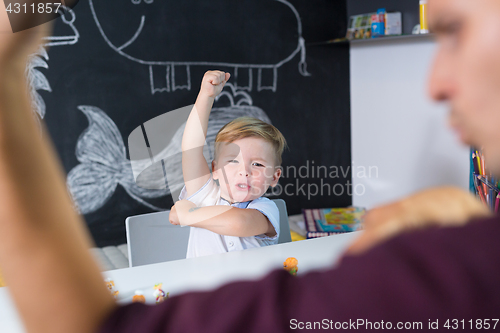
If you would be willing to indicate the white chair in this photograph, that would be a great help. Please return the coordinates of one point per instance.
(152, 239)
(285, 235)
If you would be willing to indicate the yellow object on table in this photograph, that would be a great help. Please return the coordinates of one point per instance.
(2, 284)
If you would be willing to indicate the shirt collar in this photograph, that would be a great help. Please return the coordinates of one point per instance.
(236, 204)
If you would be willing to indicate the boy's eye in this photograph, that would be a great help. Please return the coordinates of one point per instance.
(233, 161)
(257, 164)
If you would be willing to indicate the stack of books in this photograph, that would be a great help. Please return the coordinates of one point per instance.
(331, 221)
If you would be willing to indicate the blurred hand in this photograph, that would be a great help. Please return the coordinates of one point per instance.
(15, 47)
(443, 206)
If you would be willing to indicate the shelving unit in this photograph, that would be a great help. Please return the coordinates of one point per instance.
(374, 40)
(408, 8)
(390, 38)
(388, 81)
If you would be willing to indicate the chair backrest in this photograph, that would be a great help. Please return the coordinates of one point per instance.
(285, 236)
(152, 239)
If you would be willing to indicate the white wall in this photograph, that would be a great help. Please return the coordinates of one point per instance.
(396, 129)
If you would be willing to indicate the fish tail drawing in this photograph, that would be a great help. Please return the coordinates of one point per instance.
(103, 165)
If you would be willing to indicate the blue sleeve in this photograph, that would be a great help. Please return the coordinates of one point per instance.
(270, 210)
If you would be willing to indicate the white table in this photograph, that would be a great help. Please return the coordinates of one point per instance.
(208, 272)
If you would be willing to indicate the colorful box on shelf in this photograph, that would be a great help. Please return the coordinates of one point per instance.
(330, 221)
(371, 25)
(393, 24)
(359, 26)
(378, 23)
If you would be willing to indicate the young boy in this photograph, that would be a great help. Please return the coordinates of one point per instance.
(226, 209)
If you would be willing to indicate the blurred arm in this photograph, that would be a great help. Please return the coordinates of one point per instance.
(54, 282)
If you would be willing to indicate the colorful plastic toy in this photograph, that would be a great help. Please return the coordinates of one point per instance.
(290, 265)
(159, 293)
(138, 297)
(111, 286)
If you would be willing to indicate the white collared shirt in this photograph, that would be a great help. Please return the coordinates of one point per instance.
(203, 242)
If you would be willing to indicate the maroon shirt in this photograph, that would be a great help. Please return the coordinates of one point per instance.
(436, 274)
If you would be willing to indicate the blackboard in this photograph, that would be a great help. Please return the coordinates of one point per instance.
(114, 65)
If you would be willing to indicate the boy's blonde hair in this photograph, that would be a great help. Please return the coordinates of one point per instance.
(245, 127)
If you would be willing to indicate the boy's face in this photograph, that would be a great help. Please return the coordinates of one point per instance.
(466, 71)
(245, 169)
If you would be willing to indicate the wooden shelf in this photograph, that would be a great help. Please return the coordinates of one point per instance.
(391, 38)
(375, 40)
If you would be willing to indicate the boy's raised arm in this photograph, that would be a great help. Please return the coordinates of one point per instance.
(194, 166)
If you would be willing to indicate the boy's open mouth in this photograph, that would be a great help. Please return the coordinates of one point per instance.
(243, 186)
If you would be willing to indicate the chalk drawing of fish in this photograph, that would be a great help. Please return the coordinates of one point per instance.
(162, 34)
(103, 165)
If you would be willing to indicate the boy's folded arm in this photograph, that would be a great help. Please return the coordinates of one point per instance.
(234, 221)
(226, 220)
